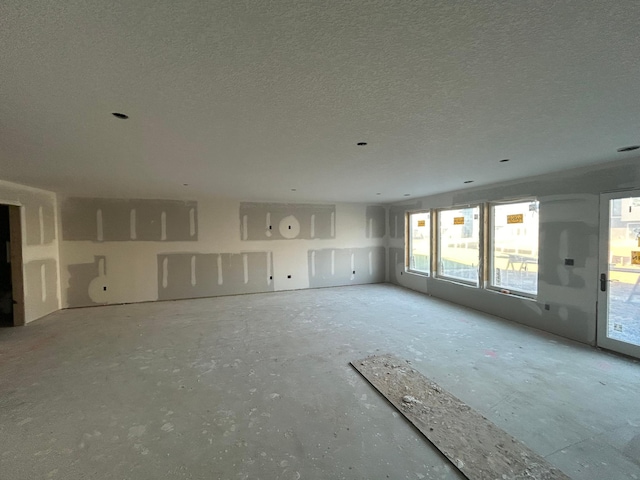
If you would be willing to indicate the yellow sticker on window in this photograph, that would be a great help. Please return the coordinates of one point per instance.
(422, 223)
(517, 218)
(458, 220)
(635, 258)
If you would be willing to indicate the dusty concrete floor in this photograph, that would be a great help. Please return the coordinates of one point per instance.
(259, 386)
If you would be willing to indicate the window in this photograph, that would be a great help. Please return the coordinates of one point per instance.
(501, 255)
(514, 247)
(459, 244)
(420, 242)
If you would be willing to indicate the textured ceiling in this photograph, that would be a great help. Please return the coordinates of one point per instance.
(251, 99)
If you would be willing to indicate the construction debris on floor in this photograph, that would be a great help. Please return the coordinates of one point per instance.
(478, 448)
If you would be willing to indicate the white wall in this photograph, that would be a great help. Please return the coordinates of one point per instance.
(569, 228)
(39, 246)
(131, 267)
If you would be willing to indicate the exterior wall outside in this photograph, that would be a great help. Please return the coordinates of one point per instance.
(569, 228)
(38, 210)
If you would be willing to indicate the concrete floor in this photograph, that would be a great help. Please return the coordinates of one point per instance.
(259, 387)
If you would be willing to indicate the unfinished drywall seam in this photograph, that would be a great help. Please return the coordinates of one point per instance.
(346, 266)
(195, 275)
(121, 220)
(284, 221)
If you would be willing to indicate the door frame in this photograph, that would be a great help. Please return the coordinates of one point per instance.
(602, 340)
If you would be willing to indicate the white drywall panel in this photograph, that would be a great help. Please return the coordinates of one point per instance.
(130, 270)
(39, 247)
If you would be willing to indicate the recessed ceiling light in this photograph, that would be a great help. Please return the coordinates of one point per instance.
(630, 148)
(407, 194)
(362, 144)
(378, 194)
(293, 190)
(121, 116)
(505, 160)
(468, 181)
(185, 184)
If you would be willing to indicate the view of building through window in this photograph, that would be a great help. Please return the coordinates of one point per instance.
(514, 247)
(420, 242)
(459, 244)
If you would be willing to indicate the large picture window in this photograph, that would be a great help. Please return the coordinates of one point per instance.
(514, 247)
(459, 244)
(420, 242)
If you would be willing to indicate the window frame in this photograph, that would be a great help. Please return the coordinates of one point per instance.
(491, 246)
(408, 245)
(481, 281)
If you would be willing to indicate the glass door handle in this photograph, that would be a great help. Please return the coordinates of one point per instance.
(603, 282)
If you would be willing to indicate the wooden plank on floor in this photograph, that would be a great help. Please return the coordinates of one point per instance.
(474, 445)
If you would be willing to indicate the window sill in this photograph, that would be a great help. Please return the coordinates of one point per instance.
(418, 273)
(512, 293)
(458, 282)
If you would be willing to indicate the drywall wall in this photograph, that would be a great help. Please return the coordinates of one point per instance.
(569, 228)
(376, 221)
(217, 247)
(39, 247)
(41, 288)
(396, 218)
(278, 221)
(186, 275)
(346, 266)
(120, 220)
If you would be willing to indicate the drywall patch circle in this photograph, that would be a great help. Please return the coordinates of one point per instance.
(97, 288)
(289, 227)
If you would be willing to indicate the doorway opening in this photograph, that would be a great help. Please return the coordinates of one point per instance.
(11, 287)
(6, 281)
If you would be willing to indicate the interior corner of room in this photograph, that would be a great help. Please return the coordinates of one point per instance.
(531, 250)
(197, 194)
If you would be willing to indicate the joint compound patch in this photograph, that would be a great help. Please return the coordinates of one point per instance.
(286, 221)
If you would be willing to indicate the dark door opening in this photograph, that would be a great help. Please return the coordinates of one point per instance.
(6, 285)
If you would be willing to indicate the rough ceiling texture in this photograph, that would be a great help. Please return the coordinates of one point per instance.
(251, 99)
